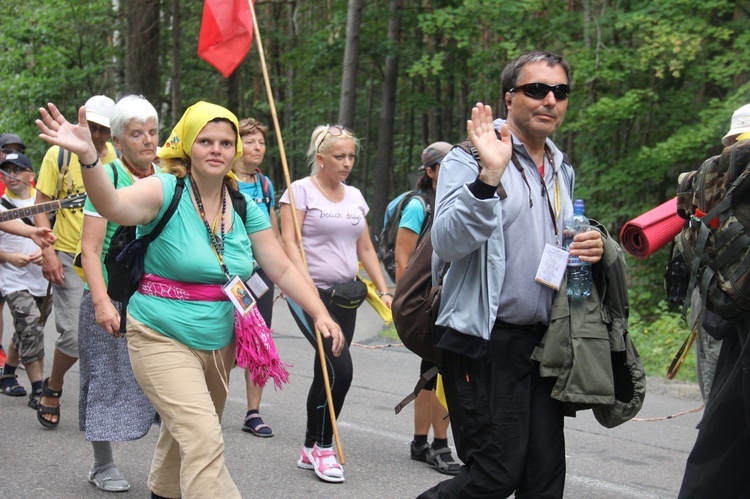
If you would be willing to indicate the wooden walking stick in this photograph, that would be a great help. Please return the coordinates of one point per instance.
(297, 230)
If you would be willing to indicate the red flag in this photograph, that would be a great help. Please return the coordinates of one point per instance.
(226, 34)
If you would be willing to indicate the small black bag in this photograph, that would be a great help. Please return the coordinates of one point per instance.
(346, 294)
(676, 279)
(119, 283)
(126, 253)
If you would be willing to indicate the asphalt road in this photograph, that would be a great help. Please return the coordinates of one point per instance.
(640, 459)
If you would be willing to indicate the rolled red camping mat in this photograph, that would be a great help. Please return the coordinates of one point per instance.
(651, 231)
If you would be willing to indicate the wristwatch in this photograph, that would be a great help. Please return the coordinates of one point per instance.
(384, 293)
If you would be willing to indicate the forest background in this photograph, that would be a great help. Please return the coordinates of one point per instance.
(654, 87)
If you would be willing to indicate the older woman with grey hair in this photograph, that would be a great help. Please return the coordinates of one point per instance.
(112, 406)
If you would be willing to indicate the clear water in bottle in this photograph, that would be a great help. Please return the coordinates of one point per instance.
(579, 273)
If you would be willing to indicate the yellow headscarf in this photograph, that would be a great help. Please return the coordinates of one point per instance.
(180, 141)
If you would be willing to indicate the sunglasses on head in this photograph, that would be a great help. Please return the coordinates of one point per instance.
(338, 130)
(334, 131)
(539, 91)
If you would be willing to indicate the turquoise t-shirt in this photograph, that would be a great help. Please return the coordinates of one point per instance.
(255, 191)
(182, 252)
(412, 216)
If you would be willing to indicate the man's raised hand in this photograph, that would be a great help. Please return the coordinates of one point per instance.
(495, 153)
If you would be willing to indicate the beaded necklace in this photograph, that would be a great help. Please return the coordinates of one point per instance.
(134, 172)
(216, 240)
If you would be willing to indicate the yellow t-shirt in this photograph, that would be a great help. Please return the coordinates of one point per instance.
(69, 221)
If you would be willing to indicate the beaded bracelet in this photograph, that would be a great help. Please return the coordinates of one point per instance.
(89, 166)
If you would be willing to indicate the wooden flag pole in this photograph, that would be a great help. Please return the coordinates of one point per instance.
(297, 230)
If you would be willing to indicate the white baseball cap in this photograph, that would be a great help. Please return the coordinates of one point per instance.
(99, 109)
(740, 125)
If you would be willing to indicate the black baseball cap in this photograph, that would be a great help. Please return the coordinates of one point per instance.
(18, 159)
(11, 138)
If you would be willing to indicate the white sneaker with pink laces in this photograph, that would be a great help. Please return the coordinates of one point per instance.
(326, 464)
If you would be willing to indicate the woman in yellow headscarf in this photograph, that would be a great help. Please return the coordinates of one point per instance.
(181, 322)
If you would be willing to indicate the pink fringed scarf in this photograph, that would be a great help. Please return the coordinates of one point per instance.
(256, 350)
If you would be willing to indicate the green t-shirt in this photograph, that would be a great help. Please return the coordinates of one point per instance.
(183, 253)
(124, 179)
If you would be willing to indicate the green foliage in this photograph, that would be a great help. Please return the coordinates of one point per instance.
(658, 337)
(61, 54)
(654, 83)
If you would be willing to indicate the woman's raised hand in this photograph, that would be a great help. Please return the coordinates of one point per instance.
(56, 130)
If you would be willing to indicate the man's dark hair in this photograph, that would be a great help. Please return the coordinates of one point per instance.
(512, 72)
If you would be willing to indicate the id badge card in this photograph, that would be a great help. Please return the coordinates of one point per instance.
(552, 267)
(256, 285)
(239, 295)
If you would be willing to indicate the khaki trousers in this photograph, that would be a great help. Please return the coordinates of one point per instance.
(188, 388)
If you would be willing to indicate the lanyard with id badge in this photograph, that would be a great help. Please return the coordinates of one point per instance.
(255, 348)
(554, 260)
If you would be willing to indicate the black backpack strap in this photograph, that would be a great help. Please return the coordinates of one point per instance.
(265, 188)
(431, 373)
(148, 238)
(178, 188)
(6, 202)
(239, 203)
(114, 173)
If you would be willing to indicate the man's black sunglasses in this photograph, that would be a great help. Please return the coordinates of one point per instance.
(539, 91)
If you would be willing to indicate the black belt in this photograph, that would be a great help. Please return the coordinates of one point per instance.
(537, 328)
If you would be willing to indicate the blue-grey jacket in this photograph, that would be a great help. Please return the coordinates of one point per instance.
(467, 232)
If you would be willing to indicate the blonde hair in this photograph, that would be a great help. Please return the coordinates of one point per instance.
(321, 141)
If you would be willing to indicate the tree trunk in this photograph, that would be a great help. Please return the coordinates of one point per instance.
(142, 58)
(351, 63)
(385, 137)
(175, 78)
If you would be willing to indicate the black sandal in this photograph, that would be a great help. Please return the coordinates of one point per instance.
(43, 410)
(34, 398)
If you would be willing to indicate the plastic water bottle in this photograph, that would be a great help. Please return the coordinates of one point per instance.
(579, 273)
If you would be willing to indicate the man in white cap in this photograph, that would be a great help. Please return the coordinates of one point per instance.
(59, 177)
(740, 128)
(717, 464)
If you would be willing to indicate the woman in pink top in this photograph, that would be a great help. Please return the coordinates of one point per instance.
(335, 238)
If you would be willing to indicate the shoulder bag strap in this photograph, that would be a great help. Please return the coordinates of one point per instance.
(179, 187)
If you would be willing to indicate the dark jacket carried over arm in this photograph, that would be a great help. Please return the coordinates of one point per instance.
(588, 349)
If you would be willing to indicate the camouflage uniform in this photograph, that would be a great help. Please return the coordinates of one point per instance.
(28, 333)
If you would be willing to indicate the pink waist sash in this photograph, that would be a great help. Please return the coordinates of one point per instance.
(256, 350)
